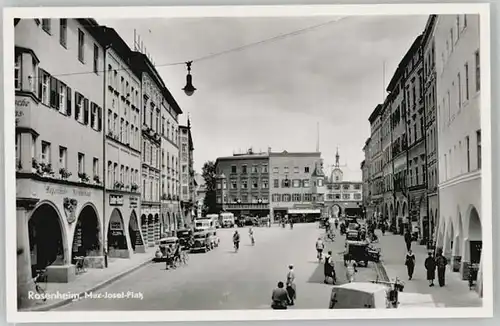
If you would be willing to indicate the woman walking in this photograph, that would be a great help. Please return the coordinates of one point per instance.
(290, 285)
(410, 263)
(430, 266)
(350, 269)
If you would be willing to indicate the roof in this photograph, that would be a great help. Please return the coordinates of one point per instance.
(429, 28)
(145, 65)
(402, 64)
(286, 153)
(375, 113)
(243, 157)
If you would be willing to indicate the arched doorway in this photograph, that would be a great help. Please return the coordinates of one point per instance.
(117, 240)
(150, 234)
(458, 239)
(336, 210)
(156, 228)
(475, 237)
(87, 236)
(134, 233)
(144, 228)
(45, 238)
(168, 222)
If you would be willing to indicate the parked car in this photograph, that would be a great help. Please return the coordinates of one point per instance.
(161, 253)
(201, 242)
(185, 238)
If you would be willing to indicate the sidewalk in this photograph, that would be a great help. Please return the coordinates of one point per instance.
(93, 279)
(455, 293)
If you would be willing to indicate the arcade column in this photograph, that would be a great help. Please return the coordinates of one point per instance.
(25, 282)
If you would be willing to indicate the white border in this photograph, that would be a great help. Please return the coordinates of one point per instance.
(14, 316)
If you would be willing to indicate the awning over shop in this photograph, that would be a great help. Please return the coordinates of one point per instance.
(304, 211)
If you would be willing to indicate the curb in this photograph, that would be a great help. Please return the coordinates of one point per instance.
(64, 302)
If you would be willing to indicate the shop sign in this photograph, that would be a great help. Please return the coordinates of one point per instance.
(22, 107)
(115, 225)
(115, 200)
(134, 201)
(54, 190)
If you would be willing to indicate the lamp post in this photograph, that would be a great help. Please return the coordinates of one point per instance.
(189, 88)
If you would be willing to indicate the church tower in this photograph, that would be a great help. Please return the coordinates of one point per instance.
(337, 174)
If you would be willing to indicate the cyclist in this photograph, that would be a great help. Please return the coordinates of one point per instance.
(236, 240)
(319, 248)
(250, 234)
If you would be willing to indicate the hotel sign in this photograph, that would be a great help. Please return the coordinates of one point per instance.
(23, 106)
(52, 190)
(115, 200)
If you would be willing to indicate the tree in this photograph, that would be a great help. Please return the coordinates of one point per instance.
(210, 176)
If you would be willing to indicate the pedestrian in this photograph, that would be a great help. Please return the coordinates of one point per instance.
(430, 266)
(441, 263)
(410, 263)
(382, 228)
(280, 297)
(290, 285)
(350, 269)
(329, 269)
(407, 237)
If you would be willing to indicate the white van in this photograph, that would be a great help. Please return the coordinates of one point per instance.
(204, 224)
(227, 220)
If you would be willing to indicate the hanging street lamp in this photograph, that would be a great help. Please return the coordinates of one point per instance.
(189, 88)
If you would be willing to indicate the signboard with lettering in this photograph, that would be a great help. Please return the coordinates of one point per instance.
(115, 200)
(115, 225)
(22, 110)
(134, 201)
(59, 190)
(138, 239)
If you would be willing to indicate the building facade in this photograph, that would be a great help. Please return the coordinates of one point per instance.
(365, 170)
(458, 91)
(242, 186)
(342, 197)
(152, 100)
(399, 142)
(376, 172)
(297, 184)
(386, 160)
(188, 182)
(122, 152)
(59, 189)
(200, 192)
(171, 216)
(430, 106)
(415, 125)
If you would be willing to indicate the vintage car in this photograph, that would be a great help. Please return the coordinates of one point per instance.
(353, 235)
(185, 237)
(364, 295)
(201, 241)
(161, 252)
(361, 252)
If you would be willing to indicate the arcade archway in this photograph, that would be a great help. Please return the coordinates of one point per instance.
(150, 232)
(45, 238)
(156, 228)
(134, 232)
(117, 240)
(475, 236)
(87, 236)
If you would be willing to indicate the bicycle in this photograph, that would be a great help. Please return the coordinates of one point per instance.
(81, 265)
(40, 281)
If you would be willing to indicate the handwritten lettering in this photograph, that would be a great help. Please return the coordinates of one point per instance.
(24, 103)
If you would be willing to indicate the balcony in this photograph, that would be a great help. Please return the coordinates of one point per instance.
(246, 206)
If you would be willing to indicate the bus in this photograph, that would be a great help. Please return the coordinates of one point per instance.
(226, 220)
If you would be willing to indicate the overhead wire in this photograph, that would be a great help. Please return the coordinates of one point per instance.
(216, 54)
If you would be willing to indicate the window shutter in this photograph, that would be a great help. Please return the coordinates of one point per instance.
(68, 101)
(77, 107)
(41, 73)
(99, 118)
(53, 92)
(58, 88)
(86, 111)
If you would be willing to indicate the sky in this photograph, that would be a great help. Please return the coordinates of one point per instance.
(275, 93)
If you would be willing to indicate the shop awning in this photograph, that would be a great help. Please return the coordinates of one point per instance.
(304, 211)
